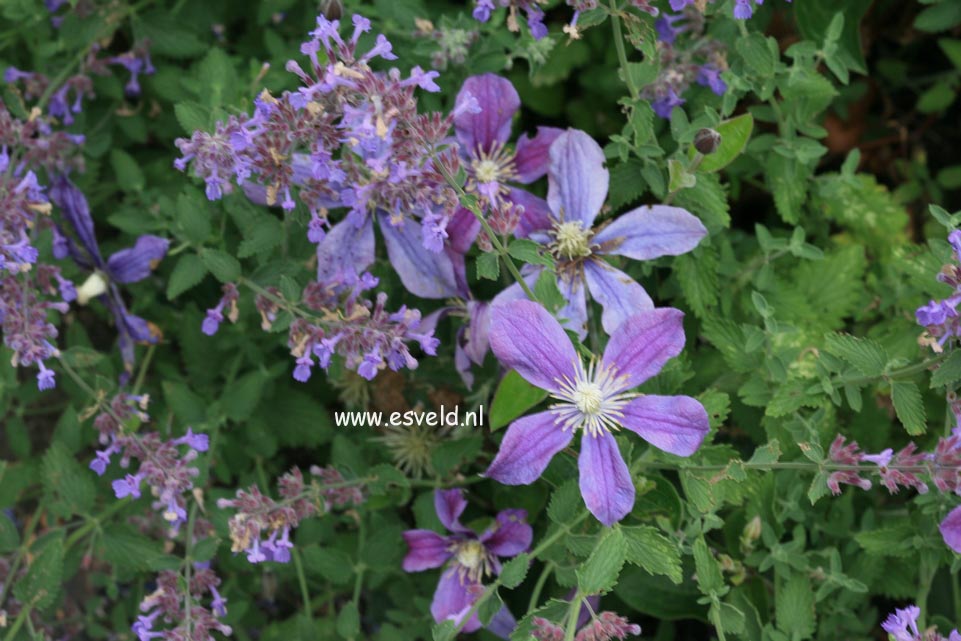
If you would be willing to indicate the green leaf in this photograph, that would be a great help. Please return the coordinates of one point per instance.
(815, 19)
(41, 585)
(192, 117)
(735, 134)
(348, 620)
(939, 17)
(649, 549)
(513, 397)
(709, 577)
(168, 37)
(515, 570)
(938, 97)
(892, 540)
(697, 273)
(679, 177)
(599, 573)
(9, 537)
(488, 266)
(222, 265)
(67, 481)
(768, 453)
(795, 608)
(328, 563)
(81, 357)
(125, 167)
(757, 54)
(529, 252)
(565, 503)
(193, 217)
(546, 291)
(867, 356)
(185, 403)
(952, 49)
(909, 406)
(241, 399)
(187, 273)
(948, 372)
(265, 234)
(127, 550)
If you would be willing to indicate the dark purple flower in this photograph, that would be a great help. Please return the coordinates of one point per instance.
(709, 75)
(491, 165)
(470, 557)
(124, 266)
(577, 189)
(593, 399)
(664, 104)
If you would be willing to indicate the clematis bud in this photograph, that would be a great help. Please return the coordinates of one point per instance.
(332, 9)
(706, 141)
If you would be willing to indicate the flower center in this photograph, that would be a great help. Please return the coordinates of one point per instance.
(571, 241)
(588, 397)
(486, 171)
(94, 286)
(470, 554)
(592, 400)
(490, 170)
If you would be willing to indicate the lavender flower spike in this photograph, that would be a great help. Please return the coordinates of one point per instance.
(593, 399)
(470, 556)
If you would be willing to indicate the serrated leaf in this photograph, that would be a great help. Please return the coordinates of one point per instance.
(565, 503)
(599, 573)
(129, 551)
(488, 266)
(9, 537)
(81, 357)
(529, 252)
(328, 563)
(709, 578)
(892, 540)
(515, 570)
(514, 396)
(192, 117)
(125, 167)
(867, 356)
(650, 550)
(42, 583)
(67, 481)
(264, 235)
(909, 407)
(949, 372)
(795, 608)
(348, 620)
(222, 265)
(186, 274)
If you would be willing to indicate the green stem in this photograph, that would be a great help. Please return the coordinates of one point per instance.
(573, 610)
(539, 586)
(621, 52)
(495, 241)
(302, 580)
(95, 522)
(191, 518)
(18, 622)
(144, 366)
(18, 557)
(902, 372)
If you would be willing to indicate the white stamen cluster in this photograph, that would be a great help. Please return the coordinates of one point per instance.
(592, 401)
(571, 241)
(473, 559)
(494, 166)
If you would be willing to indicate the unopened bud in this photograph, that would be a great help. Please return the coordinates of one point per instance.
(706, 141)
(332, 9)
(752, 531)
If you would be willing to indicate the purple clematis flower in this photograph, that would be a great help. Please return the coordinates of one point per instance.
(125, 266)
(577, 189)
(951, 529)
(470, 557)
(491, 165)
(593, 399)
(471, 344)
